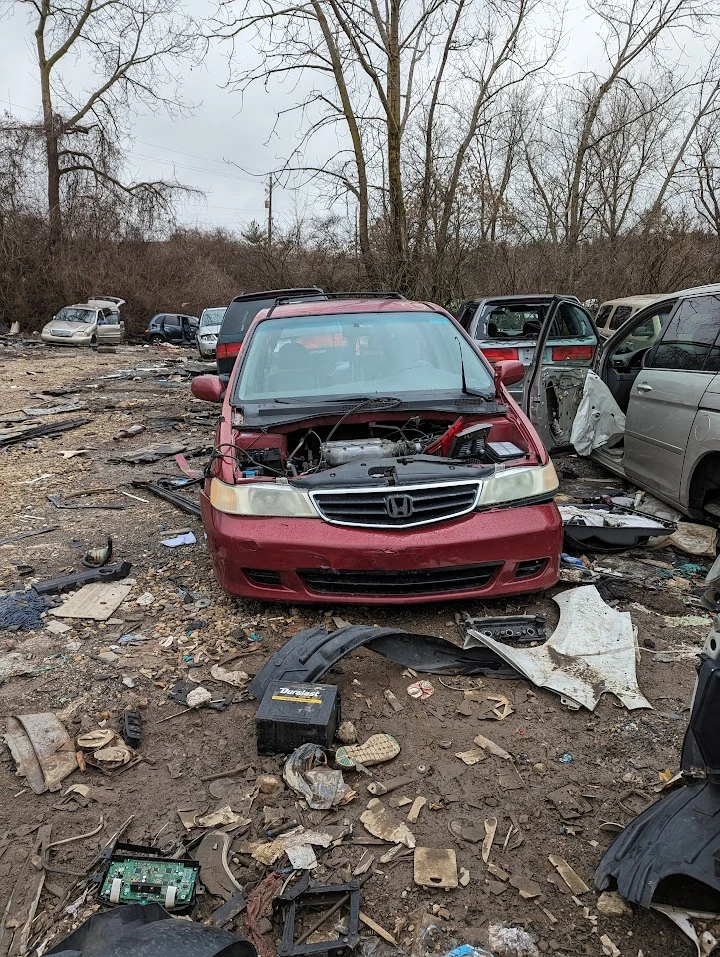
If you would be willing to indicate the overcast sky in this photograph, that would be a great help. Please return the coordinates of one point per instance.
(224, 127)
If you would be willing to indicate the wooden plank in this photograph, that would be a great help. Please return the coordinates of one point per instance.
(96, 602)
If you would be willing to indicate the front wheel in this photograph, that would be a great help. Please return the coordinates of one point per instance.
(154, 340)
(93, 342)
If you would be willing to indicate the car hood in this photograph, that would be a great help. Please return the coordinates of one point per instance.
(204, 330)
(66, 326)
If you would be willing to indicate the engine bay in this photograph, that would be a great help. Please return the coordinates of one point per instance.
(304, 451)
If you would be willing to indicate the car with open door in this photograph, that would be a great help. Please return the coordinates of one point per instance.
(507, 327)
(367, 452)
(91, 323)
(175, 328)
(662, 368)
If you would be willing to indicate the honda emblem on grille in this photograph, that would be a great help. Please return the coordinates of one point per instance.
(399, 506)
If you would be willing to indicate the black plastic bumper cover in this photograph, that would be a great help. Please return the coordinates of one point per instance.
(670, 852)
(309, 654)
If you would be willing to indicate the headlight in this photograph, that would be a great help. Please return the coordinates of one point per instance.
(209, 338)
(266, 499)
(510, 485)
(79, 332)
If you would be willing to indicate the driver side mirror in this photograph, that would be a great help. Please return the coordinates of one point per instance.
(509, 371)
(208, 388)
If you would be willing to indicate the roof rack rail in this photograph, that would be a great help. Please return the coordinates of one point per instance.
(364, 294)
(322, 297)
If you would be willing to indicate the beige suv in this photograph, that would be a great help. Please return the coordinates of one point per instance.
(612, 314)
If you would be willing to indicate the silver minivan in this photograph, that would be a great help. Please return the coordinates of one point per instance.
(663, 370)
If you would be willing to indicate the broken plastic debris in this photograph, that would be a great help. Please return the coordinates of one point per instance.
(187, 539)
(236, 678)
(573, 880)
(307, 773)
(379, 822)
(42, 749)
(592, 651)
(222, 817)
(490, 828)
(421, 689)
(92, 740)
(378, 749)
(473, 756)
(435, 867)
(297, 841)
(147, 598)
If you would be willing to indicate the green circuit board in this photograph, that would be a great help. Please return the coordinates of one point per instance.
(143, 881)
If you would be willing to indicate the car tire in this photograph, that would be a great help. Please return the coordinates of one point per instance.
(93, 342)
(154, 340)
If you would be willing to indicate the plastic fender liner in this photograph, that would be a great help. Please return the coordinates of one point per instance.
(148, 930)
(675, 841)
(309, 654)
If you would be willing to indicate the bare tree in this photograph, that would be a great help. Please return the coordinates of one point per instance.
(405, 77)
(96, 59)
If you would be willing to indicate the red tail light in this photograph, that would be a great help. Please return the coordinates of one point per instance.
(563, 353)
(498, 355)
(227, 349)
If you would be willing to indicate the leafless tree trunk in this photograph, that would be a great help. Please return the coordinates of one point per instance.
(395, 75)
(131, 49)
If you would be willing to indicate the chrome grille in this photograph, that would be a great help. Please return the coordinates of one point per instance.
(397, 507)
(61, 332)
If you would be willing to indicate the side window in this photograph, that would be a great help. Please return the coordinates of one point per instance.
(465, 316)
(643, 336)
(689, 342)
(172, 322)
(621, 314)
(601, 317)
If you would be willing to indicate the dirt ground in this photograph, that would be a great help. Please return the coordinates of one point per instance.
(611, 759)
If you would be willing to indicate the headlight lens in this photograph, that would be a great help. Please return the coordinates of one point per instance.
(510, 485)
(79, 332)
(262, 500)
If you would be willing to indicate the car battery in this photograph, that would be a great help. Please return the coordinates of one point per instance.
(293, 714)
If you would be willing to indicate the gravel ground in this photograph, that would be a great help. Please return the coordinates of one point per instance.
(610, 760)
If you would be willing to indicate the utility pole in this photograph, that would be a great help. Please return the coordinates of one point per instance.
(268, 206)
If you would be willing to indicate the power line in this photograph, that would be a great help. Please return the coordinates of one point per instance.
(197, 169)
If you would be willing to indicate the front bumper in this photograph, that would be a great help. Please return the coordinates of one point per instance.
(206, 351)
(502, 551)
(66, 340)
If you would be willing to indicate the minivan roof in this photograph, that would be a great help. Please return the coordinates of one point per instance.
(633, 300)
(711, 289)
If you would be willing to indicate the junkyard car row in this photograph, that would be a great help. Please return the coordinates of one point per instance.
(370, 448)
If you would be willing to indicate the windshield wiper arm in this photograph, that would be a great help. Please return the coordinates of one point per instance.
(464, 387)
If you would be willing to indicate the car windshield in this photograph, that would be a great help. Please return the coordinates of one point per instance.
(73, 314)
(515, 320)
(212, 317)
(359, 354)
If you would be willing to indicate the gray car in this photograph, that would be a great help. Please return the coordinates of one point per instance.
(507, 327)
(662, 368)
(210, 322)
(95, 322)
